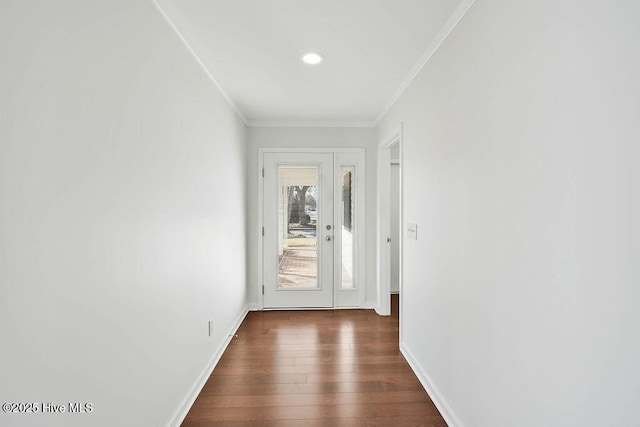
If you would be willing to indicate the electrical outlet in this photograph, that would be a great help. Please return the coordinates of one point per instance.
(210, 327)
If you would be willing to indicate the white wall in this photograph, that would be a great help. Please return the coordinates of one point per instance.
(122, 213)
(520, 168)
(312, 138)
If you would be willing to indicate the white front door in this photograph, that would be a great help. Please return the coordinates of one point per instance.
(298, 230)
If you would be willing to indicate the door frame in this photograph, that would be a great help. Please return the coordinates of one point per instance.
(359, 257)
(383, 306)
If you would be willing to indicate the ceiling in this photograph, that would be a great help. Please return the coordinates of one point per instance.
(252, 50)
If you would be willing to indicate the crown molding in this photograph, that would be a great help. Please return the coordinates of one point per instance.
(186, 44)
(311, 124)
(451, 23)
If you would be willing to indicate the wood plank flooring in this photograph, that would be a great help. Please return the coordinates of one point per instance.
(314, 368)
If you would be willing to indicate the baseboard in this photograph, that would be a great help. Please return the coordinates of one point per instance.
(256, 307)
(313, 308)
(191, 397)
(368, 305)
(432, 391)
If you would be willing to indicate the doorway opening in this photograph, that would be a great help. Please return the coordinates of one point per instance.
(390, 225)
(394, 222)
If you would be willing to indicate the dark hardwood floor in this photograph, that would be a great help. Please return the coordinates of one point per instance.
(314, 368)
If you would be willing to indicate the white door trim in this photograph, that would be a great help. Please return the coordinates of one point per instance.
(383, 306)
(351, 298)
(360, 251)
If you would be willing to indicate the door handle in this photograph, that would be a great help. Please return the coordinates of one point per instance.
(328, 238)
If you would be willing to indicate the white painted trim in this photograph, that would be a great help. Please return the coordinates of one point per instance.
(357, 160)
(383, 254)
(192, 395)
(400, 234)
(361, 256)
(253, 307)
(260, 213)
(383, 285)
(445, 410)
(312, 124)
(315, 308)
(451, 23)
(262, 150)
(230, 101)
(390, 139)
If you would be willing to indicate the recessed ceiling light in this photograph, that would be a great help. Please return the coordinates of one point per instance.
(312, 58)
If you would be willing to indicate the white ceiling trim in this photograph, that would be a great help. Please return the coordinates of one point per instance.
(311, 124)
(451, 23)
(231, 103)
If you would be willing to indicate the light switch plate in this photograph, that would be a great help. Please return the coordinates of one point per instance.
(412, 231)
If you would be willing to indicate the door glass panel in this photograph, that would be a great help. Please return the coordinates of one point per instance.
(347, 229)
(298, 208)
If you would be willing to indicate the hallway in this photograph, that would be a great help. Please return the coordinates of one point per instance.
(149, 150)
(311, 368)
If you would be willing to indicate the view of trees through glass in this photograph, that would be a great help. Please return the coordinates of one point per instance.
(298, 263)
